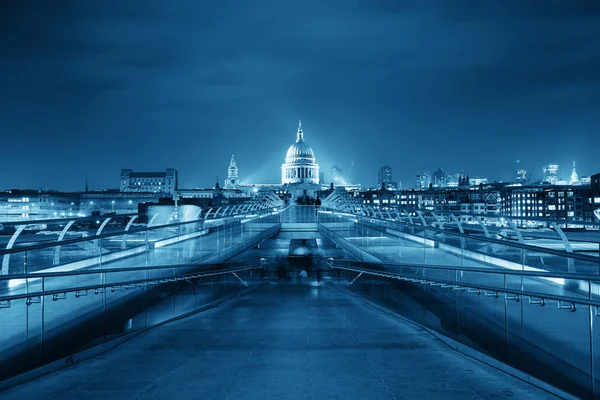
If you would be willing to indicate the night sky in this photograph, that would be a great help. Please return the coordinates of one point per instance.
(90, 87)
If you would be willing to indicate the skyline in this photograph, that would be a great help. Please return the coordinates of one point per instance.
(93, 88)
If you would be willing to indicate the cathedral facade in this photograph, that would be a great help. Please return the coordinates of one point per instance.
(299, 173)
(300, 164)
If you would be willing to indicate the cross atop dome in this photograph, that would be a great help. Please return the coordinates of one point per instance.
(300, 134)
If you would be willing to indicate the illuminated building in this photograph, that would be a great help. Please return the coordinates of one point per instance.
(149, 182)
(418, 181)
(478, 181)
(384, 177)
(27, 205)
(300, 165)
(551, 173)
(453, 180)
(233, 180)
(381, 198)
(438, 178)
(521, 174)
(574, 177)
(554, 202)
(337, 175)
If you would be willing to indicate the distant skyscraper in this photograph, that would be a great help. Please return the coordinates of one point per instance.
(521, 174)
(551, 173)
(337, 175)
(453, 180)
(384, 175)
(384, 178)
(438, 178)
(574, 177)
(418, 181)
(232, 175)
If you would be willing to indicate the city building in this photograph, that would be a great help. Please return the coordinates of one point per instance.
(551, 173)
(337, 176)
(575, 203)
(438, 178)
(149, 182)
(418, 180)
(382, 198)
(233, 180)
(454, 180)
(522, 178)
(477, 180)
(300, 164)
(385, 178)
(28, 205)
(595, 184)
(384, 174)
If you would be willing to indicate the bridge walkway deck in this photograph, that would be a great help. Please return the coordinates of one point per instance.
(287, 341)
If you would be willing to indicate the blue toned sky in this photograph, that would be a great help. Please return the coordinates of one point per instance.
(90, 87)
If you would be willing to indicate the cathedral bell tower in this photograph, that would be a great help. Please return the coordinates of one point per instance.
(232, 175)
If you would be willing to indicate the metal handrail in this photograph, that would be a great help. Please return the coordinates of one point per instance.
(53, 221)
(466, 285)
(36, 275)
(511, 217)
(195, 275)
(495, 271)
(102, 236)
(561, 253)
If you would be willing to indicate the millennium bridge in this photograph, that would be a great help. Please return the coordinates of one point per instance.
(268, 300)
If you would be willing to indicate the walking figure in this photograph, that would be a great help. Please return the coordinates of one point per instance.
(317, 205)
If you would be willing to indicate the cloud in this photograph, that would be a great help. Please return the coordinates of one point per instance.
(187, 83)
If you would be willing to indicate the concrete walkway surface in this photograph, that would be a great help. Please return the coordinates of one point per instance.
(282, 342)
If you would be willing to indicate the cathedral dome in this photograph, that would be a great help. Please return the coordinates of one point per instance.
(300, 152)
(300, 164)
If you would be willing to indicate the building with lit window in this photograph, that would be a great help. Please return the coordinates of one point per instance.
(574, 203)
(383, 198)
(337, 176)
(385, 178)
(438, 178)
(149, 182)
(29, 205)
(551, 173)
